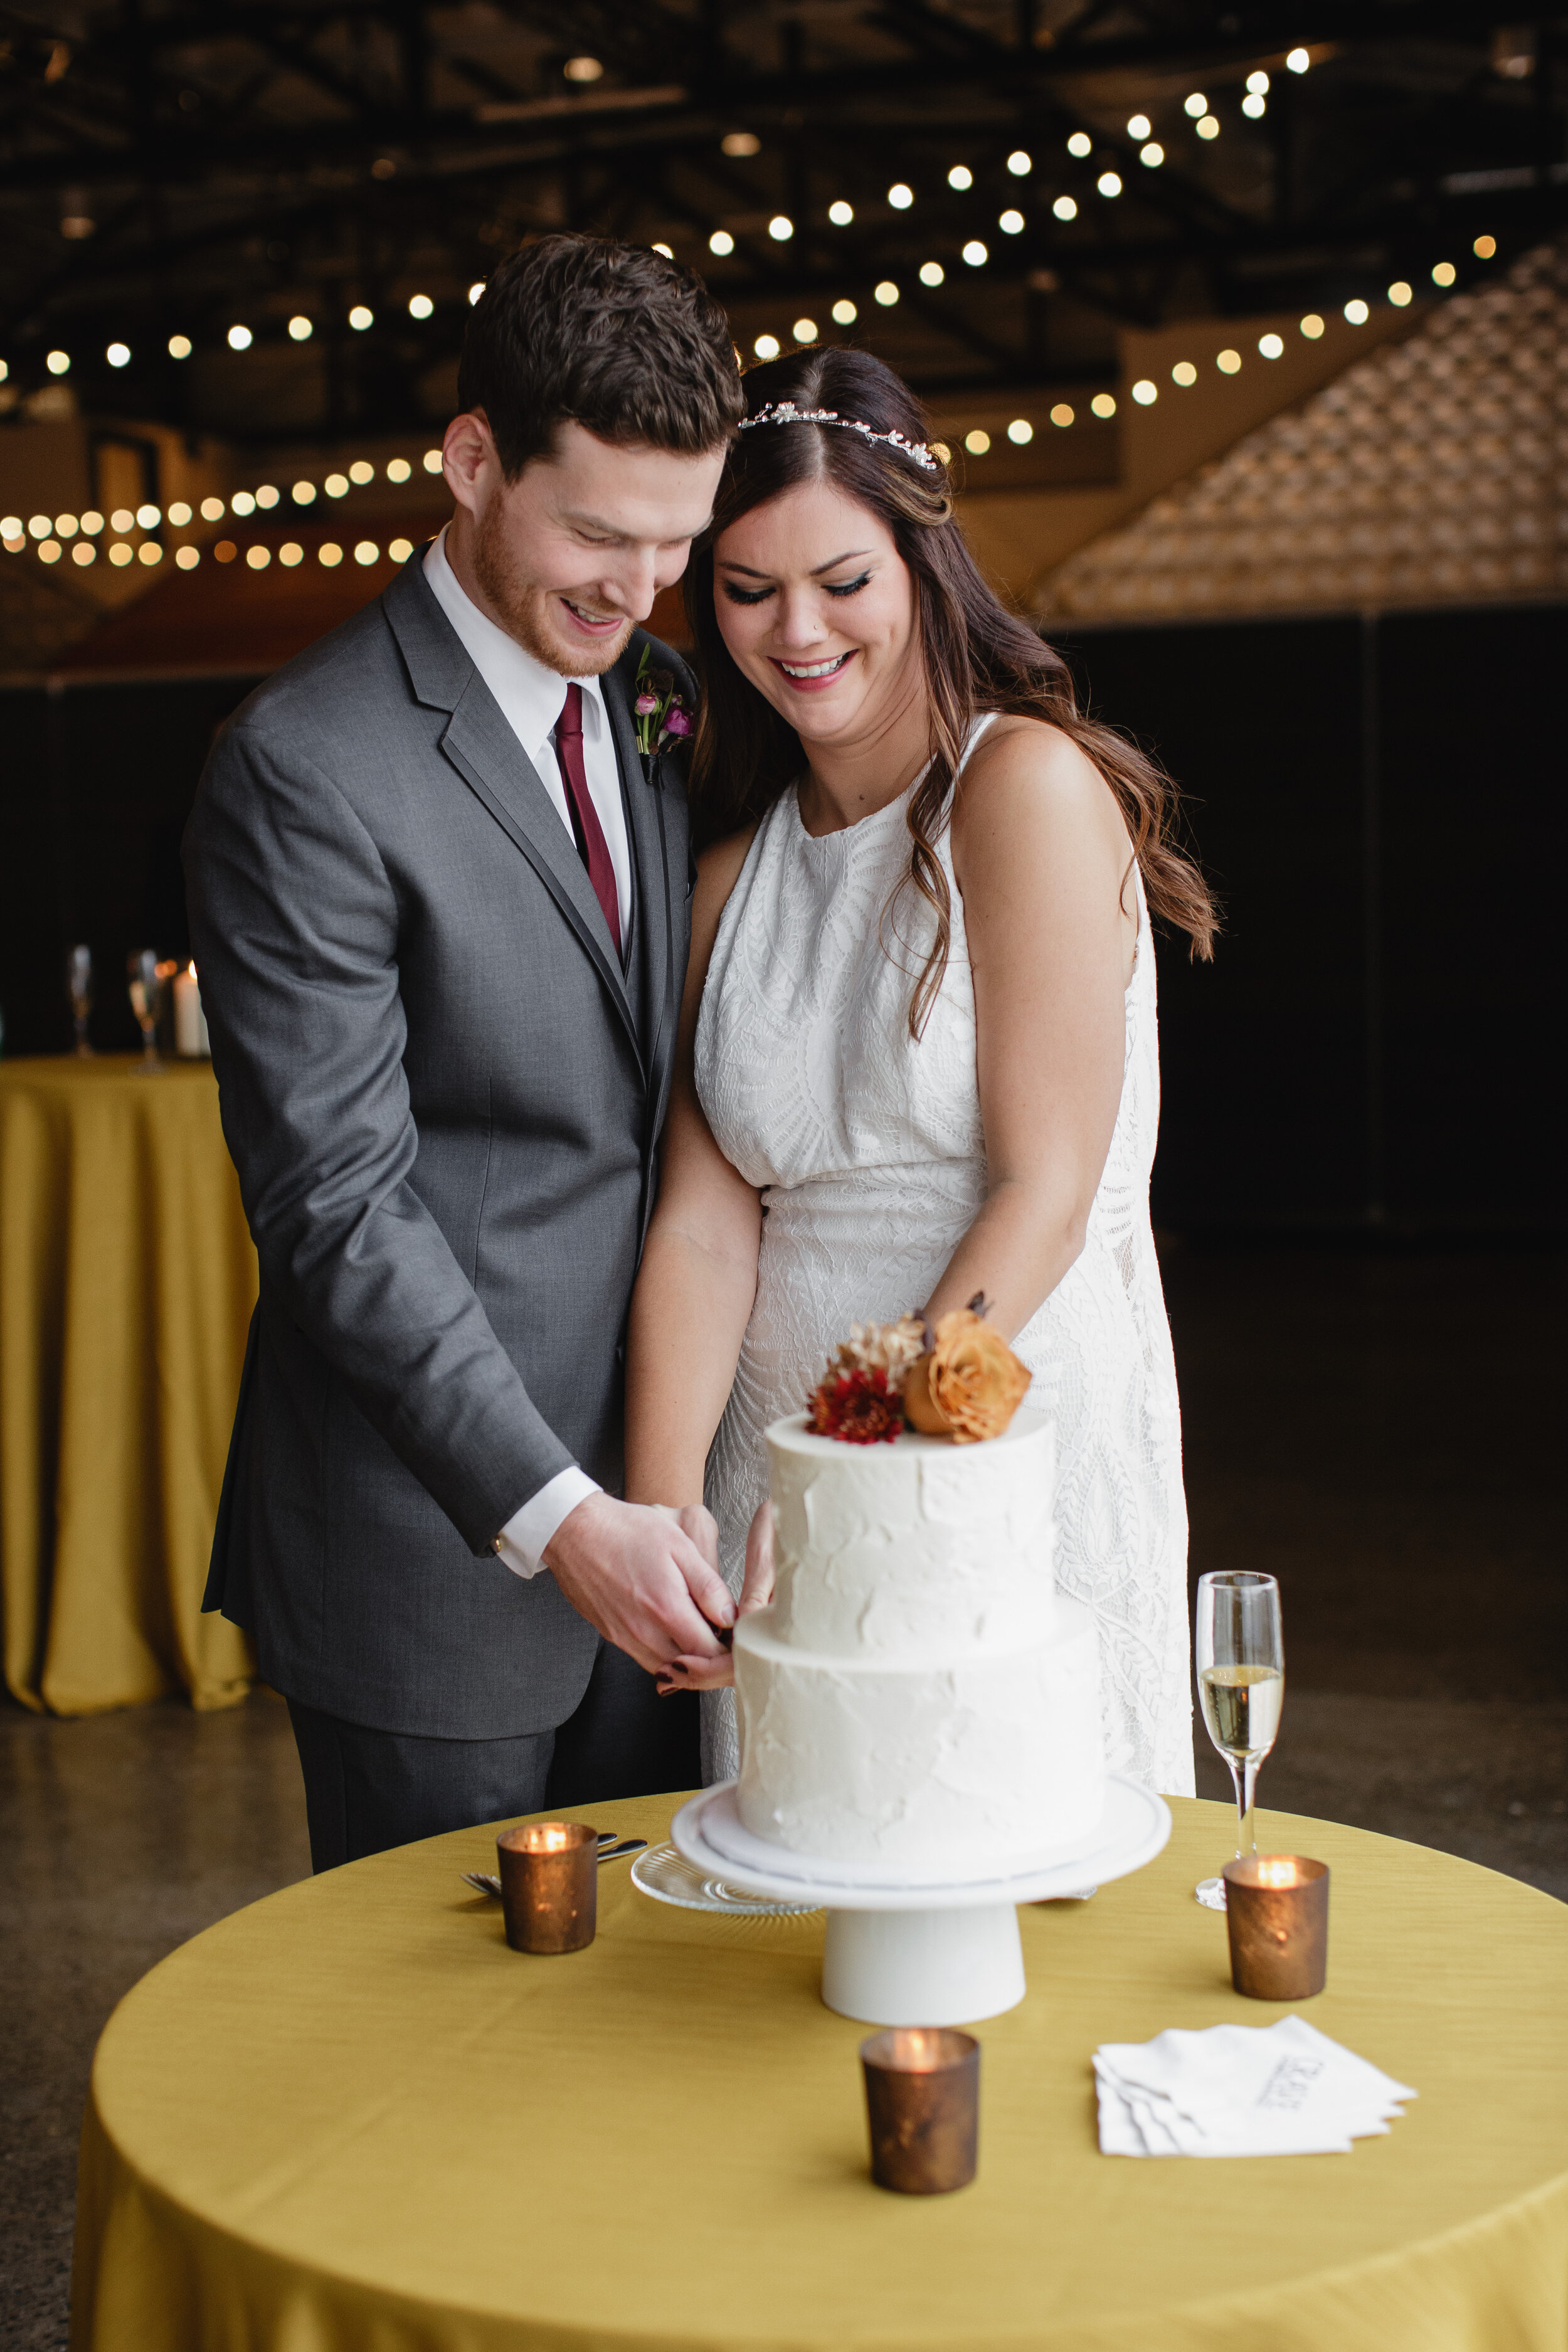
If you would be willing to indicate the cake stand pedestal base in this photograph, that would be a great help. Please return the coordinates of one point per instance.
(924, 1967)
(943, 1955)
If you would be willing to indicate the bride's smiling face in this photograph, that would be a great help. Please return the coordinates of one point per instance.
(817, 609)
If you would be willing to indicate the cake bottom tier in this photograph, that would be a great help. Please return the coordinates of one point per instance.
(939, 1769)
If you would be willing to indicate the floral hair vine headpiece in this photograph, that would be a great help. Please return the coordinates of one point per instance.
(784, 412)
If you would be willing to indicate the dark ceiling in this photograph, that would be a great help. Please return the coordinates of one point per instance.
(179, 171)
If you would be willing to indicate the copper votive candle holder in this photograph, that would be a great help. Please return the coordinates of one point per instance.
(1276, 1917)
(548, 1885)
(922, 2099)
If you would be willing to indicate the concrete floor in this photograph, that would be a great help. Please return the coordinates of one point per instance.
(1375, 1430)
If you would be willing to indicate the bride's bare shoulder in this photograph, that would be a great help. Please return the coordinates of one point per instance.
(1028, 767)
(718, 867)
(1031, 749)
(718, 871)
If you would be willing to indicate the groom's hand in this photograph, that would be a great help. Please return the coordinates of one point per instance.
(632, 1571)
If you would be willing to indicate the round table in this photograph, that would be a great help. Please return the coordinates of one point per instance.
(127, 1279)
(349, 2119)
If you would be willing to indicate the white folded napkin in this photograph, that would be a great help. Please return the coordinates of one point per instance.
(1240, 2090)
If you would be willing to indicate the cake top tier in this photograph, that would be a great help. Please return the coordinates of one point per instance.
(913, 1549)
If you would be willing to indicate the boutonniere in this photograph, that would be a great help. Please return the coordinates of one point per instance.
(662, 718)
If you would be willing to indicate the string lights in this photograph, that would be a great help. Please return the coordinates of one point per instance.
(299, 328)
(53, 538)
(49, 536)
(1197, 109)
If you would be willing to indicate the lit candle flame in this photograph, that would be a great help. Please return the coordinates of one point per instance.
(915, 2050)
(1279, 1870)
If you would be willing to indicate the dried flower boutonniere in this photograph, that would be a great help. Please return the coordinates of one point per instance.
(661, 716)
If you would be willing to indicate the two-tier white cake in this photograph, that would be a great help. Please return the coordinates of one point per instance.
(918, 1697)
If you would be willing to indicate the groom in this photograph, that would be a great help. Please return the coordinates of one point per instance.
(438, 897)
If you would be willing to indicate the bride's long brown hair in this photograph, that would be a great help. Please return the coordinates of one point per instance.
(977, 655)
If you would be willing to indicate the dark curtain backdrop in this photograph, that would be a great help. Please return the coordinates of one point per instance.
(98, 781)
(1377, 800)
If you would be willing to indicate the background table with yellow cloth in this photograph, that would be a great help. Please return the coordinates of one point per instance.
(127, 1279)
(349, 2119)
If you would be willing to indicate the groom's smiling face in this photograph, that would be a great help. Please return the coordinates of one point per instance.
(569, 557)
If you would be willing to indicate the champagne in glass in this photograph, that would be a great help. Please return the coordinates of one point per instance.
(79, 981)
(147, 977)
(1240, 1647)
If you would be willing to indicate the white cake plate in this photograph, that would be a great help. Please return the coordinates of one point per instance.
(924, 1954)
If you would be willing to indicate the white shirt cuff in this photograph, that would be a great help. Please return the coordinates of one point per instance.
(528, 1532)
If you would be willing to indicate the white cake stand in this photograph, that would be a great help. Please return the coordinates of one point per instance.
(921, 1955)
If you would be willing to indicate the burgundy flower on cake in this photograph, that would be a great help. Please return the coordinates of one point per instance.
(857, 1407)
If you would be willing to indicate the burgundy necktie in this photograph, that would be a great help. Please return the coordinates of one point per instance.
(592, 845)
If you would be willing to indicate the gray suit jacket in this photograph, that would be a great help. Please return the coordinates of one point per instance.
(443, 1096)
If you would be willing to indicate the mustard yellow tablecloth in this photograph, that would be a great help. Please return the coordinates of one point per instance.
(127, 1279)
(349, 2119)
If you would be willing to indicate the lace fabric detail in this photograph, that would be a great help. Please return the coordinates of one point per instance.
(870, 1156)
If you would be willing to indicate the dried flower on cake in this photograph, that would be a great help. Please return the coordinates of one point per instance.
(890, 1348)
(969, 1384)
(857, 1406)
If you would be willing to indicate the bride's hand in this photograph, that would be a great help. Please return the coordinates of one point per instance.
(757, 1592)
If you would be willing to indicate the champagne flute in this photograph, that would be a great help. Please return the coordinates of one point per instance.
(1240, 1647)
(79, 981)
(147, 982)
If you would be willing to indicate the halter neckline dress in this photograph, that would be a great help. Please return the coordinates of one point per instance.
(869, 1154)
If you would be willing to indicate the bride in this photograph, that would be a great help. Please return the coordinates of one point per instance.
(918, 1057)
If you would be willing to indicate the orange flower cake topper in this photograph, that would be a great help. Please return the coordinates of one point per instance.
(962, 1381)
(969, 1383)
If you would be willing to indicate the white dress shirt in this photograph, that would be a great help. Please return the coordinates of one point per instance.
(532, 698)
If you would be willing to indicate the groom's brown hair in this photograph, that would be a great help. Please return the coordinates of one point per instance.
(588, 330)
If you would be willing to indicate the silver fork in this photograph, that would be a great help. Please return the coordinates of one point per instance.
(485, 1882)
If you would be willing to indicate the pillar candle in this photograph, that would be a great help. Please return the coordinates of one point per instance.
(190, 1021)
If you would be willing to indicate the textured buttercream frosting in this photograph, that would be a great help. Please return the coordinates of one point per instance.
(917, 1549)
(916, 1696)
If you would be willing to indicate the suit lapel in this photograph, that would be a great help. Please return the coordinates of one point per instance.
(485, 752)
(651, 889)
(493, 763)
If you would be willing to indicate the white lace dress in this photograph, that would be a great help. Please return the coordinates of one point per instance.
(871, 1159)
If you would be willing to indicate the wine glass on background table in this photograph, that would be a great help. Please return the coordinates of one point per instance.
(79, 981)
(1239, 1643)
(149, 978)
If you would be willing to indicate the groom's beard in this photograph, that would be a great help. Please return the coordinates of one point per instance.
(524, 607)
